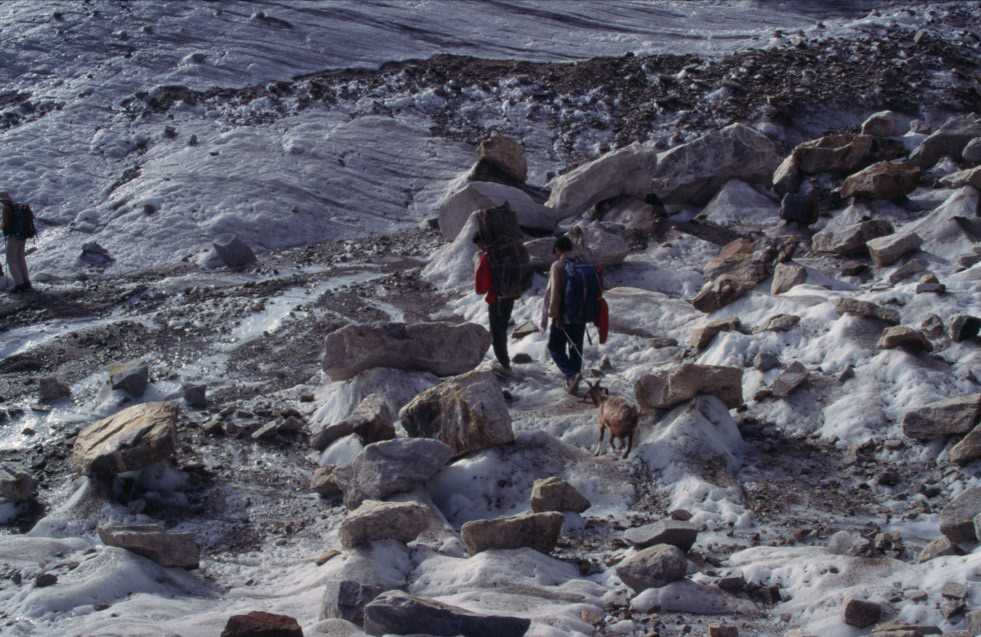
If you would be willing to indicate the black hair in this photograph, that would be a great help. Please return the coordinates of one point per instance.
(563, 244)
(478, 238)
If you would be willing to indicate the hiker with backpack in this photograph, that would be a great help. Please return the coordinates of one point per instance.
(573, 299)
(18, 227)
(503, 273)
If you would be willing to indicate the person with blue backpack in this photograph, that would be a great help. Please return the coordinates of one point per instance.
(573, 300)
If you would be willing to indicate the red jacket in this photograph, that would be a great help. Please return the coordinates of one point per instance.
(483, 283)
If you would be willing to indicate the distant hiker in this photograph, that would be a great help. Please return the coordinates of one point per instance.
(18, 227)
(503, 273)
(573, 298)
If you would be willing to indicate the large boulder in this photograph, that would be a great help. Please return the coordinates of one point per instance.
(673, 532)
(845, 153)
(130, 440)
(884, 180)
(739, 203)
(886, 124)
(463, 197)
(374, 521)
(786, 276)
(599, 243)
(891, 248)
(399, 613)
(957, 518)
(789, 379)
(152, 541)
(444, 349)
(506, 154)
(466, 412)
(372, 421)
(972, 152)
(539, 531)
(947, 231)
(739, 267)
(390, 467)
(860, 612)
(625, 171)
(653, 567)
(693, 173)
(666, 389)
(943, 418)
(15, 485)
(850, 239)
(554, 494)
(647, 313)
(948, 141)
(701, 336)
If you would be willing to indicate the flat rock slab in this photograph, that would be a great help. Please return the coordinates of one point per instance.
(943, 418)
(151, 541)
(444, 349)
(372, 421)
(467, 413)
(851, 239)
(667, 389)
(884, 180)
(260, 624)
(130, 440)
(390, 467)
(957, 518)
(865, 309)
(554, 494)
(653, 567)
(539, 531)
(968, 449)
(887, 250)
(905, 337)
(403, 614)
(375, 521)
(673, 532)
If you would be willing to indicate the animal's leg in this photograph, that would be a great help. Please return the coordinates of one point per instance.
(599, 443)
(630, 444)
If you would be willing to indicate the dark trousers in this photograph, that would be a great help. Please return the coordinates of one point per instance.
(567, 355)
(499, 315)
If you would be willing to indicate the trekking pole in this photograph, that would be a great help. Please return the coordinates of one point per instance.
(568, 338)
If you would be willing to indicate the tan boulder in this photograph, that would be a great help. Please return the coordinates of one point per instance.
(507, 154)
(884, 180)
(786, 276)
(905, 337)
(943, 418)
(539, 531)
(662, 390)
(866, 309)
(969, 177)
(968, 449)
(130, 440)
(845, 153)
(625, 171)
(891, 248)
(554, 494)
(153, 542)
(885, 124)
(374, 521)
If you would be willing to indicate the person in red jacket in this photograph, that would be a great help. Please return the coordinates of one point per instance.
(498, 310)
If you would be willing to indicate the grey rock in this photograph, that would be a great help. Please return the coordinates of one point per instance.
(789, 379)
(969, 177)
(94, 254)
(467, 413)
(625, 171)
(390, 467)
(844, 153)
(539, 531)
(701, 336)
(868, 310)
(52, 389)
(957, 518)
(887, 250)
(850, 239)
(948, 141)
(372, 421)
(324, 482)
(233, 252)
(43, 580)
(399, 613)
(16, 485)
(131, 376)
(359, 577)
(943, 418)
(860, 612)
(444, 349)
(786, 276)
(673, 532)
(801, 209)
(781, 323)
(464, 196)
(554, 494)
(653, 567)
(765, 361)
(974, 622)
(909, 269)
(972, 152)
(685, 596)
(151, 541)
(374, 521)
(195, 395)
(667, 389)
(127, 441)
(885, 124)
(964, 327)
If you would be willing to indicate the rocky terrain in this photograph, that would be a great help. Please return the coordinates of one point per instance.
(303, 429)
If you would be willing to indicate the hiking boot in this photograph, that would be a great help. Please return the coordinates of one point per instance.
(501, 371)
(572, 383)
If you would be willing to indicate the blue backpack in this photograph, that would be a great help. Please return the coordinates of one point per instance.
(581, 300)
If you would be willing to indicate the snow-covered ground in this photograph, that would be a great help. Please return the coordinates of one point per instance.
(84, 141)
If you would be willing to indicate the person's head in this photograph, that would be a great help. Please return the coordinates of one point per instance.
(562, 245)
(480, 241)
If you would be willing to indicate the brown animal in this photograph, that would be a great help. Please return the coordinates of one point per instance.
(617, 415)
